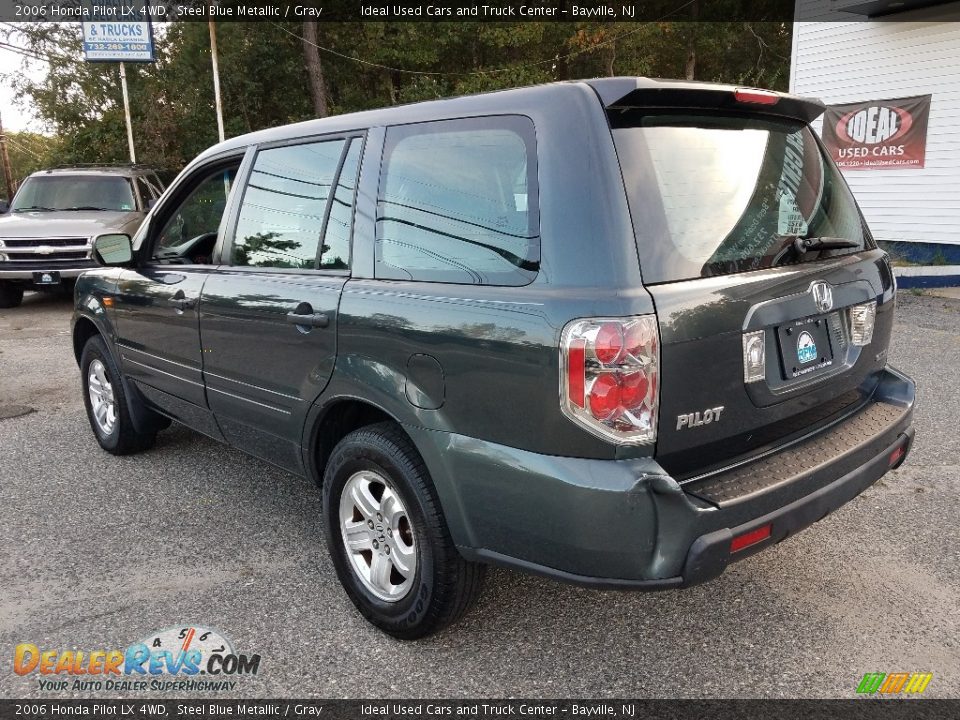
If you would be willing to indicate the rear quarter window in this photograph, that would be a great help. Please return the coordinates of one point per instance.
(458, 202)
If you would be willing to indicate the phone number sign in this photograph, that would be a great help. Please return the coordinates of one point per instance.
(118, 41)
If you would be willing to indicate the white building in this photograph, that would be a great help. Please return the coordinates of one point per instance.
(852, 50)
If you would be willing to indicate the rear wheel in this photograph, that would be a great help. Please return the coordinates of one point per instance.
(11, 294)
(106, 402)
(387, 537)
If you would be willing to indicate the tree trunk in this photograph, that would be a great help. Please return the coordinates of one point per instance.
(318, 86)
(691, 69)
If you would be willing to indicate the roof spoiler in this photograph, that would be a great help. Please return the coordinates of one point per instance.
(625, 95)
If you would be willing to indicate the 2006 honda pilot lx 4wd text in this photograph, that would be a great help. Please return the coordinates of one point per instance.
(619, 332)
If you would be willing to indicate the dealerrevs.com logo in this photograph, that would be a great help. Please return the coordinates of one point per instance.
(894, 683)
(186, 658)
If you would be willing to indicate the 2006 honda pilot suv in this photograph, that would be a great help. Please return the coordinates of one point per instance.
(619, 332)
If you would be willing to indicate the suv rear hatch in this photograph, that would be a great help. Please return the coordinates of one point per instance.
(766, 281)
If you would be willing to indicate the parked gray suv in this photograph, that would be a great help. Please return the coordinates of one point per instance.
(47, 233)
(620, 332)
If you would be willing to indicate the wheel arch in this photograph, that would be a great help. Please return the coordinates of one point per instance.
(333, 421)
(144, 420)
(83, 329)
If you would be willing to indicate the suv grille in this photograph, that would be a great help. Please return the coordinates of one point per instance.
(37, 242)
(36, 250)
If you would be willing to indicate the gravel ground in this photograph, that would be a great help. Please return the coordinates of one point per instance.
(98, 552)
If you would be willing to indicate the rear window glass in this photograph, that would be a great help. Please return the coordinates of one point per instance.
(458, 203)
(718, 195)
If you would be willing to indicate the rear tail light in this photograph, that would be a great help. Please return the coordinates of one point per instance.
(754, 356)
(862, 318)
(755, 96)
(610, 376)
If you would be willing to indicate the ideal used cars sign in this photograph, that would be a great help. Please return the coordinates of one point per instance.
(878, 133)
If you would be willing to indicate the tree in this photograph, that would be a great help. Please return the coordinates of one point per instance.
(29, 152)
(264, 67)
(311, 53)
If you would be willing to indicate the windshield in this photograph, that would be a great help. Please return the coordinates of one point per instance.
(75, 192)
(713, 195)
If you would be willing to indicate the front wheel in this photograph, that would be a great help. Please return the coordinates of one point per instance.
(106, 402)
(387, 537)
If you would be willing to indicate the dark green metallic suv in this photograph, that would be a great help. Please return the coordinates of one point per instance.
(620, 332)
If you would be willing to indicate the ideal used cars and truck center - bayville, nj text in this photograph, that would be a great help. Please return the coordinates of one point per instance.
(115, 29)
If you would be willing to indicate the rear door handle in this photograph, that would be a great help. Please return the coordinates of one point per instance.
(319, 320)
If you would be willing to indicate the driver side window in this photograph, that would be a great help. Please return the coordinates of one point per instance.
(190, 230)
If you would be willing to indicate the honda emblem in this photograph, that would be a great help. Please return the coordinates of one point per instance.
(822, 296)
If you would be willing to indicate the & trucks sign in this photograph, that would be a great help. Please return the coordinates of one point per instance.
(878, 133)
(117, 31)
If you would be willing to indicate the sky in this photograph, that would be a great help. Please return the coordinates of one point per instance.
(16, 118)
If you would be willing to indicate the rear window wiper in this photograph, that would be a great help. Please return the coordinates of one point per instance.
(33, 207)
(824, 243)
(801, 245)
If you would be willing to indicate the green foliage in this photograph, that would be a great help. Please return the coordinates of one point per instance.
(366, 65)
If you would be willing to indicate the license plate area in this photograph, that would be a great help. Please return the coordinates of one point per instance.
(805, 347)
(46, 278)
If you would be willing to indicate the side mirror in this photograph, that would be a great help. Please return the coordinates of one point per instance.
(150, 203)
(4, 207)
(113, 249)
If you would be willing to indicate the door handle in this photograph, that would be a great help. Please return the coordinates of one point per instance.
(319, 320)
(180, 302)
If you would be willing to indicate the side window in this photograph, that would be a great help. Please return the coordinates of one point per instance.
(189, 231)
(335, 253)
(284, 205)
(458, 202)
(147, 193)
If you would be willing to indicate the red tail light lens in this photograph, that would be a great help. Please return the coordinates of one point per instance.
(605, 396)
(608, 345)
(576, 361)
(609, 377)
(633, 391)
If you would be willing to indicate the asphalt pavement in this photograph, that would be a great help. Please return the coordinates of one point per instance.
(98, 552)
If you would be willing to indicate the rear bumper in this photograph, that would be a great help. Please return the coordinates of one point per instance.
(710, 553)
(628, 525)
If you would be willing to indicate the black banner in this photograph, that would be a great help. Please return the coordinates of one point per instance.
(397, 11)
(437, 10)
(208, 709)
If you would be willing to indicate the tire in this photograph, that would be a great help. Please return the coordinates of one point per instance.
(112, 427)
(11, 294)
(440, 585)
